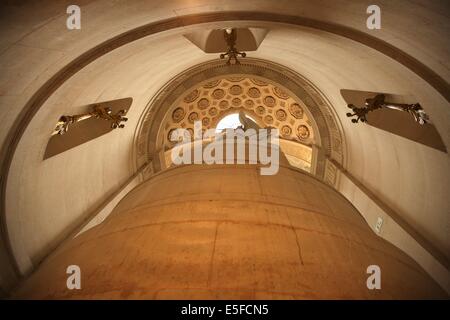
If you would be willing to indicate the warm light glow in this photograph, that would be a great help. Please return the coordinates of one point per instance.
(231, 121)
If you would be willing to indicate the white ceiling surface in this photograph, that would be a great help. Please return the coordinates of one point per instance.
(47, 199)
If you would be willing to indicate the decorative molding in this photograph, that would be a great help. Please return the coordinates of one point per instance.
(330, 176)
(313, 118)
(243, 95)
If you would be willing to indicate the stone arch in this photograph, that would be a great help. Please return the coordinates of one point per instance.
(330, 141)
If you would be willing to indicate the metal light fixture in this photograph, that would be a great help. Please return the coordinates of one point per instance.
(97, 112)
(230, 36)
(379, 102)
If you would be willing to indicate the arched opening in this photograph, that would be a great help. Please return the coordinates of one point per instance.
(230, 121)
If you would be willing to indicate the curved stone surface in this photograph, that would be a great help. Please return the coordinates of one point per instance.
(226, 232)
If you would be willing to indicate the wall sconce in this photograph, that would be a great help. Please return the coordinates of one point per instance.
(103, 113)
(379, 102)
(230, 36)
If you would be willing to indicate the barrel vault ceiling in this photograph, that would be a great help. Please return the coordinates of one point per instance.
(133, 48)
